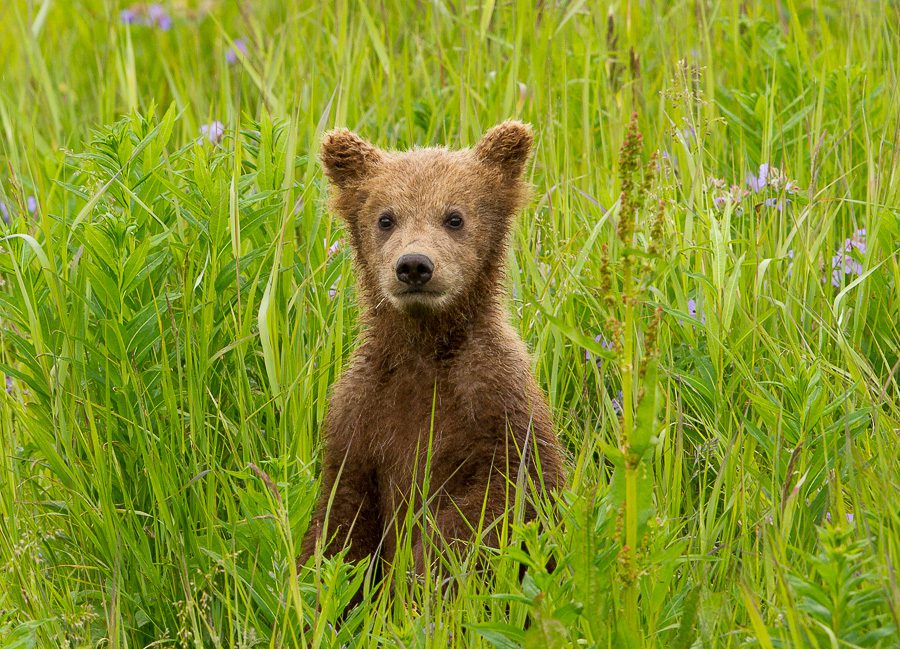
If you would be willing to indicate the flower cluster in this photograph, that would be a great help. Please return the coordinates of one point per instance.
(694, 312)
(238, 49)
(757, 182)
(775, 179)
(767, 179)
(723, 194)
(604, 343)
(152, 15)
(214, 132)
(617, 403)
(331, 249)
(843, 263)
(849, 516)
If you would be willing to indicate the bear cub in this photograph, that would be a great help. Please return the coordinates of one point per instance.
(439, 377)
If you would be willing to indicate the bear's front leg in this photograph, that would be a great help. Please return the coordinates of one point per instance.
(478, 499)
(350, 516)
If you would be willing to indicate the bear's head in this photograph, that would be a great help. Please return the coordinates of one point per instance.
(428, 227)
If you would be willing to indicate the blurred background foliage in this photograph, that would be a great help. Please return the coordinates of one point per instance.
(175, 302)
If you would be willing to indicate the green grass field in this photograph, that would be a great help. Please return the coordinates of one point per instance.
(175, 302)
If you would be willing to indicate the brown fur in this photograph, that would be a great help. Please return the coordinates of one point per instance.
(450, 350)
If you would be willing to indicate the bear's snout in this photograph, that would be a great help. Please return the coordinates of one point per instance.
(415, 270)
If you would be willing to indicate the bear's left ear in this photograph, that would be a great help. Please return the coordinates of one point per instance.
(506, 146)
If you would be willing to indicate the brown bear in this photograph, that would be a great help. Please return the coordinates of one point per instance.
(440, 377)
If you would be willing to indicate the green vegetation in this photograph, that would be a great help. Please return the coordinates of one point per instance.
(174, 305)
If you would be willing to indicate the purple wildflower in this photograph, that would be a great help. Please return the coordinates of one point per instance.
(604, 343)
(858, 241)
(32, 205)
(4, 212)
(843, 262)
(671, 159)
(725, 195)
(692, 310)
(835, 277)
(233, 54)
(153, 15)
(850, 517)
(9, 384)
(714, 183)
(758, 182)
(617, 403)
(331, 250)
(332, 292)
(790, 270)
(129, 17)
(778, 204)
(159, 17)
(738, 194)
(214, 131)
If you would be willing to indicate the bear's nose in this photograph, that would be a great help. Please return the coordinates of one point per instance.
(414, 270)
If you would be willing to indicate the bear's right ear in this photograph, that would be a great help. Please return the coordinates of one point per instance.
(347, 158)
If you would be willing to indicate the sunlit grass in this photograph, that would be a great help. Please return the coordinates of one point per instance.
(174, 307)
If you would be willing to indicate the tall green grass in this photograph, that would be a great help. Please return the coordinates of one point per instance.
(173, 312)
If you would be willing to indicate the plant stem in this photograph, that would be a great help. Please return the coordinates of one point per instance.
(631, 509)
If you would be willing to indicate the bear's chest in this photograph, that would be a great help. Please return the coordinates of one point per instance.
(422, 421)
(417, 409)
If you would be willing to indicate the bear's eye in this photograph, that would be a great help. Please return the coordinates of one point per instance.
(453, 220)
(386, 221)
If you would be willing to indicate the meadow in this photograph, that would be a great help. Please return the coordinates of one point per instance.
(713, 309)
